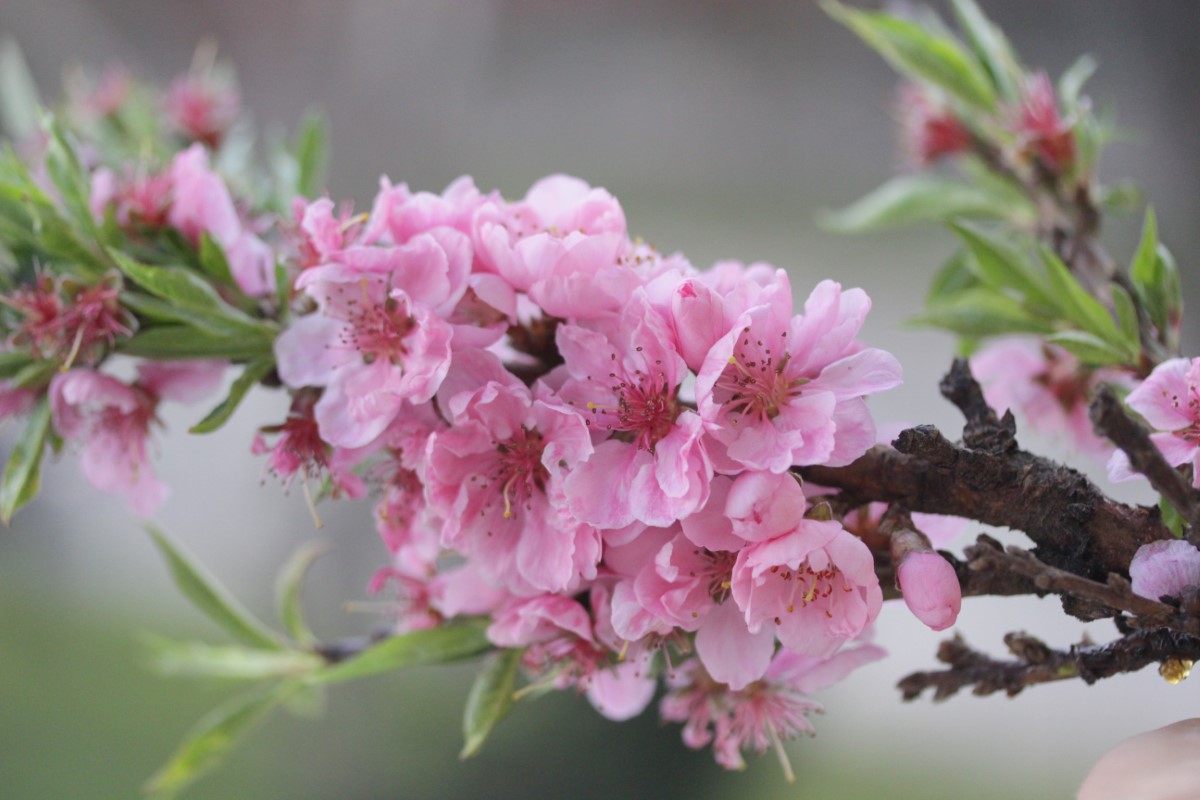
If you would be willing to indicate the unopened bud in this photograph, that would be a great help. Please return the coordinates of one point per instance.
(930, 588)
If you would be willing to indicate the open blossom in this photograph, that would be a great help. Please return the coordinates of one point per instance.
(496, 479)
(650, 464)
(783, 390)
(378, 339)
(1169, 400)
(111, 422)
(816, 587)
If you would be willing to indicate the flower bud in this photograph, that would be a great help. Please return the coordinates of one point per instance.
(927, 581)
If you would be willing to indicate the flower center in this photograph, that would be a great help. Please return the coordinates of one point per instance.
(756, 381)
(378, 330)
(519, 470)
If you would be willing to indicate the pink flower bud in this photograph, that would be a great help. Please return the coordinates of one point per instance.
(930, 588)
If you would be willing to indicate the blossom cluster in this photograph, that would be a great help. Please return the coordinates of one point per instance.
(601, 435)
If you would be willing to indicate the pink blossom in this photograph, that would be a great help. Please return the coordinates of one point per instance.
(930, 587)
(1043, 132)
(1169, 400)
(202, 107)
(930, 130)
(760, 715)
(496, 480)
(202, 204)
(65, 320)
(111, 422)
(783, 391)
(624, 376)
(378, 339)
(1167, 567)
(139, 199)
(816, 585)
(399, 214)
(1046, 386)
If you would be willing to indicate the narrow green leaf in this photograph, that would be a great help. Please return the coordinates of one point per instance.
(12, 362)
(1171, 517)
(1090, 349)
(200, 660)
(254, 372)
(23, 471)
(920, 54)
(991, 46)
(1144, 268)
(288, 587)
(1127, 318)
(210, 598)
(1070, 85)
(213, 736)
(490, 700)
(35, 375)
(194, 299)
(213, 261)
(20, 109)
(1079, 306)
(451, 642)
(911, 199)
(981, 312)
(311, 151)
(1002, 266)
(952, 277)
(69, 177)
(165, 342)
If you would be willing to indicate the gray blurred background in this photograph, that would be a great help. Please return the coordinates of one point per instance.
(723, 128)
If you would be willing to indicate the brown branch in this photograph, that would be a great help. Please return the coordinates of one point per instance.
(1035, 663)
(1110, 419)
(1074, 525)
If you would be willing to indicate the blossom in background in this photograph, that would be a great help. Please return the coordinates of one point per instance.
(65, 320)
(202, 107)
(1165, 567)
(110, 421)
(929, 128)
(1169, 400)
(1046, 387)
(1042, 131)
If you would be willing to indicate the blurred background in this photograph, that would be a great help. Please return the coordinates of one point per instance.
(723, 128)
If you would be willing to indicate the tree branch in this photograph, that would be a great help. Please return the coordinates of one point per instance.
(1037, 663)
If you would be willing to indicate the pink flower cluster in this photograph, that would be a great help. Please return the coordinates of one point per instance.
(1169, 400)
(603, 438)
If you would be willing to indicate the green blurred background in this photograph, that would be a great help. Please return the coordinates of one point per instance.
(723, 128)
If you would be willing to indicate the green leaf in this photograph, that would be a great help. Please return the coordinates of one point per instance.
(1144, 269)
(22, 472)
(920, 54)
(910, 199)
(1070, 85)
(1171, 517)
(213, 736)
(311, 151)
(254, 372)
(490, 700)
(20, 109)
(195, 301)
(35, 375)
(453, 641)
(981, 312)
(991, 46)
(1090, 349)
(1119, 198)
(69, 177)
(1079, 306)
(165, 342)
(213, 261)
(210, 598)
(1003, 266)
(1127, 318)
(196, 659)
(288, 586)
(12, 362)
(952, 277)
